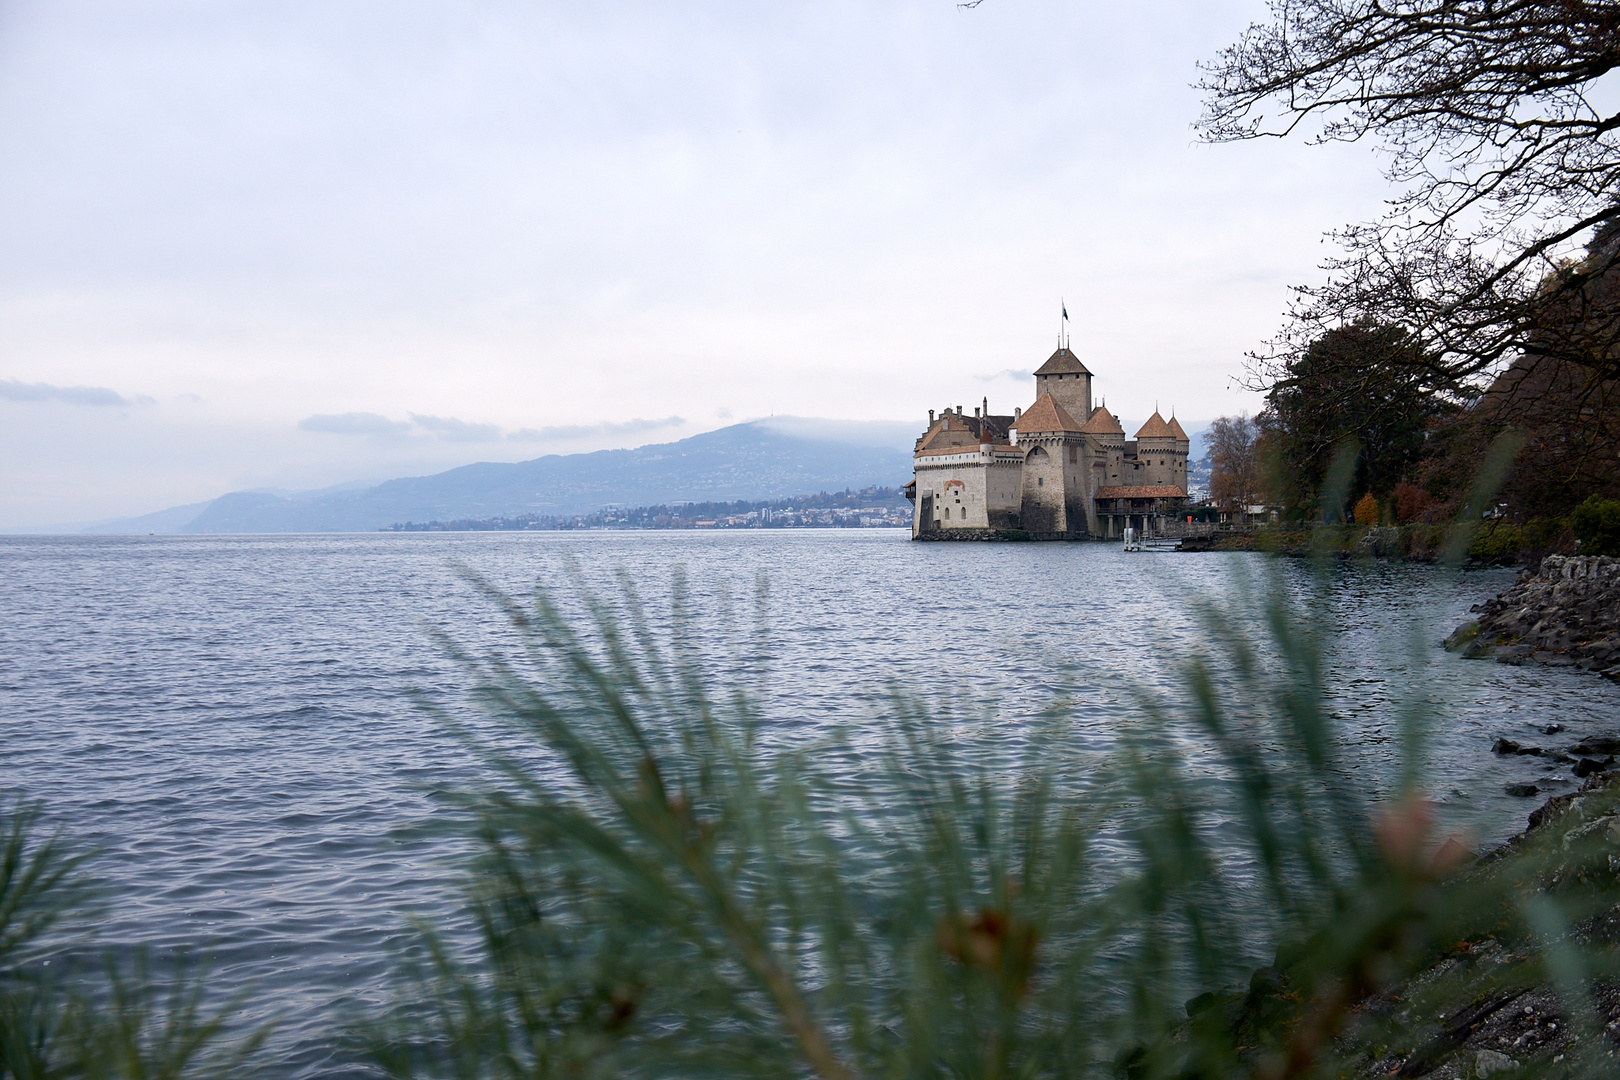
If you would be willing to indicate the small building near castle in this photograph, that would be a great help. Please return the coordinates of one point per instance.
(1060, 470)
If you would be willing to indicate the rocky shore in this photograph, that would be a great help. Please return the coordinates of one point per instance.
(1522, 1024)
(1499, 999)
(1564, 613)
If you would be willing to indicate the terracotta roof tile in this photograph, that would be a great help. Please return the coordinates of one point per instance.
(1177, 429)
(1102, 422)
(1156, 428)
(948, 431)
(1046, 415)
(1062, 362)
(1142, 491)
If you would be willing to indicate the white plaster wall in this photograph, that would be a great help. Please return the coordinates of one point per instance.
(966, 502)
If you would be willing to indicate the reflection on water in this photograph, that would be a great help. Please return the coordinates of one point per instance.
(227, 718)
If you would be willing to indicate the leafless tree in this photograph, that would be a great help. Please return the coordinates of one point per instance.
(1504, 158)
(1234, 466)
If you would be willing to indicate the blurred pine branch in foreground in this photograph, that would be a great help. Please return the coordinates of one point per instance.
(668, 886)
(703, 897)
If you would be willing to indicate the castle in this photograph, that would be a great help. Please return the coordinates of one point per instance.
(1060, 470)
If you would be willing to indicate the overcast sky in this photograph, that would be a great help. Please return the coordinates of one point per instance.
(289, 245)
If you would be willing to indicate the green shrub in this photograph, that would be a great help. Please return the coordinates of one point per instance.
(1596, 524)
(1497, 542)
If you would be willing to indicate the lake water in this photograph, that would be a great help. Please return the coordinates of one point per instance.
(230, 719)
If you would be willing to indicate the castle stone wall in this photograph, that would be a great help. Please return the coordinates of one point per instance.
(1055, 487)
(1072, 390)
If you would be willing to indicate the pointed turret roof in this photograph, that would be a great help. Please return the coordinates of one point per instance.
(1046, 415)
(1063, 362)
(1179, 432)
(1156, 428)
(1102, 422)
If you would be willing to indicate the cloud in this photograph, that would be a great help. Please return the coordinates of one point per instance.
(352, 423)
(452, 430)
(12, 390)
(582, 431)
(1005, 373)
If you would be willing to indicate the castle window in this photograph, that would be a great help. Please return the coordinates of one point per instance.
(947, 513)
(1040, 481)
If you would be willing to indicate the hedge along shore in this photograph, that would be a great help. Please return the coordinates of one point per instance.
(1494, 543)
(1565, 613)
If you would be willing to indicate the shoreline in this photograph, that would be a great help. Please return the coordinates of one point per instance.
(1492, 544)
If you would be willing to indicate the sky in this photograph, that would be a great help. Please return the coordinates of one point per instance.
(293, 245)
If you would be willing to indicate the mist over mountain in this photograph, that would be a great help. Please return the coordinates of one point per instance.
(762, 459)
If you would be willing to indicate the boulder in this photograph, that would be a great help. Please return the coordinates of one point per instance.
(1489, 1062)
(1508, 746)
(1565, 614)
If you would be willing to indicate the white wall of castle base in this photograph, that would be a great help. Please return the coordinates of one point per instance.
(967, 494)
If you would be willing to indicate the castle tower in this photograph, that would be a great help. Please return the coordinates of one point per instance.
(1105, 442)
(1056, 472)
(1183, 450)
(1163, 453)
(1067, 380)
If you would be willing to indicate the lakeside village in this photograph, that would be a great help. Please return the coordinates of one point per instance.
(868, 508)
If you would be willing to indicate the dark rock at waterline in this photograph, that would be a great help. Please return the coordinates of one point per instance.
(1587, 766)
(1552, 729)
(1567, 614)
(1508, 746)
(1597, 746)
(1522, 791)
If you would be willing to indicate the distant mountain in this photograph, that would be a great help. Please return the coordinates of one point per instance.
(172, 520)
(759, 460)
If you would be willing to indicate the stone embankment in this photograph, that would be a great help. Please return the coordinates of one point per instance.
(1565, 613)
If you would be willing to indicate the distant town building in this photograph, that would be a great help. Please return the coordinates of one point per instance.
(1061, 469)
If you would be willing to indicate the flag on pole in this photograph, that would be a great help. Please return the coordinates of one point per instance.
(1065, 308)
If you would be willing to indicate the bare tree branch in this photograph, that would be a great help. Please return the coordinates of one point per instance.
(1503, 161)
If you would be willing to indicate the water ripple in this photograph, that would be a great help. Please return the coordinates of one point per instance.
(230, 719)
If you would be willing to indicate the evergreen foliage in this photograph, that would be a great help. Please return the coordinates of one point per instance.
(81, 1020)
(1355, 385)
(666, 885)
(1596, 524)
(703, 896)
